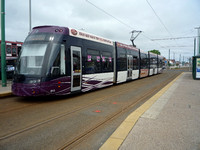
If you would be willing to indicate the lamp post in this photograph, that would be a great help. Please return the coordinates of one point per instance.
(3, 51)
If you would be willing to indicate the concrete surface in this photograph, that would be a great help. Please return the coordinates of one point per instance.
(120, 134)
(5, 91)
(51, 122)
(169, 120)
(172, 122)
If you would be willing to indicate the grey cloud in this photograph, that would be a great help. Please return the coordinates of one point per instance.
(178, 16)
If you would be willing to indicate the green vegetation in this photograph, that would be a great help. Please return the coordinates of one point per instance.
(155, 51)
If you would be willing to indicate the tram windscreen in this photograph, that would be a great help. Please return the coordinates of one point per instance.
(32, 58)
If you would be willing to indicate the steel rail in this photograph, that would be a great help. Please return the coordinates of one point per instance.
(76, 140)
(58, 116)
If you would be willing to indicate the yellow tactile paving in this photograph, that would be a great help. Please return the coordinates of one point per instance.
(117, 138)
(123, 130)
(112, 144)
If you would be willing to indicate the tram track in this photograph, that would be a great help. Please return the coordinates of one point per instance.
(29, 105)
(61, 114)
(73, 143)
(81, 136)
(16, 108)
(35, 103)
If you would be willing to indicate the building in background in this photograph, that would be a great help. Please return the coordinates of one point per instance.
(13, 50)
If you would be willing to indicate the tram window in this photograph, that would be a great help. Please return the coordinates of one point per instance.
(151, 62)
(8, 49)
(14, 51)
(93, 63)
(141, 61)
(62, 60)
(56, 64)
(156, 62)
(144, 61)
(135, 62)
(106, 61)
(31, 59)
(55, 70)
(122, 62)
(18, 50)
(76, 61)
(160, 63)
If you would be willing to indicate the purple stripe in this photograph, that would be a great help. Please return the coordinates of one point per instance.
(60, 86)
(92, 84)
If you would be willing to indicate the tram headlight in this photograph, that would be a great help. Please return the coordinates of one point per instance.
(33, 81)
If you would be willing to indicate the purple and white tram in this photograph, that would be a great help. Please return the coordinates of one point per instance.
(160, 63)
(153, 60)
(59, 61)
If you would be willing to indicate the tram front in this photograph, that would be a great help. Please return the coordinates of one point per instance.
(41, 66)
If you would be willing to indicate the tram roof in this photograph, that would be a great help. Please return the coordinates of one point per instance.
(126, 46)
(72, 32)
(88, 36)
(83, 35)
(51, 29)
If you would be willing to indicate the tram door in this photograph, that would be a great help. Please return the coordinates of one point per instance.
(130, 66)
(76, 68)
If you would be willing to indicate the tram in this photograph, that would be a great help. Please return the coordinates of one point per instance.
(153, 63)
(59, 61)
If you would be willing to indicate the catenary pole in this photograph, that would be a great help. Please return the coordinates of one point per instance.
(194, 46)
(30, 16)
(198, 41)
(3, 51)
(169, 58)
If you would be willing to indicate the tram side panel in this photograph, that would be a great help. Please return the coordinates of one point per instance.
(98, 65)
(160, 63)
(121, 65)
(59, 61)
(151, 67)
(144, 65)
(153, 59)
(156, 64)
(134, 55)
(127, 63)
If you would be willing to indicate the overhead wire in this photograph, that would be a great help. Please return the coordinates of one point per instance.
(174, 38)
(161, 21)
(146, 36)
(159, 18)
(120, 21)
(130, 27)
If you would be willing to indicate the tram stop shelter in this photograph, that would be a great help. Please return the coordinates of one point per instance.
(196, 67)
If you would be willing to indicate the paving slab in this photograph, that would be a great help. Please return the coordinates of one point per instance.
(5, 91)
(172, 122)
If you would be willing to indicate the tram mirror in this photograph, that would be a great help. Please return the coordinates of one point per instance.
(55, 71)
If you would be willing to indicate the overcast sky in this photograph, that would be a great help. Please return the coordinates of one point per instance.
(179, 17)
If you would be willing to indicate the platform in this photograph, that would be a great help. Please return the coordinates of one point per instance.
(5, 91)
(169, 120)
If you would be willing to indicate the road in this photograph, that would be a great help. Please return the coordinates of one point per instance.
(82, 121)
